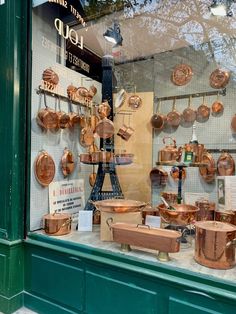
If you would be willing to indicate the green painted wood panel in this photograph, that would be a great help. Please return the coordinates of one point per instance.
(57, 282)
(116, 297)
(180, 307)
(3, 273)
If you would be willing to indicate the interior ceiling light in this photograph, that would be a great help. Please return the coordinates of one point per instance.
(221, 8)
(113, 35)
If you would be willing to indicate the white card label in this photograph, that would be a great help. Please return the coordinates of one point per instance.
(85, 220)
(153, 221)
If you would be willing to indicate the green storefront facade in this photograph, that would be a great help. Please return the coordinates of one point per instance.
(51, 276)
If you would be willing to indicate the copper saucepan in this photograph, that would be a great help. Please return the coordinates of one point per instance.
(203, 112)
(217, 107)
(215, 244)
(158, 120)
(105, 128)
(173, 117)
(189, 114)
(47, 118)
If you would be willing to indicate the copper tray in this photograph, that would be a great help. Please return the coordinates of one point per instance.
(143, 236)
(181, 75)
(44, 168)
(119, 205)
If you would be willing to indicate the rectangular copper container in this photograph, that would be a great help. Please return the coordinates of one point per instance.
(143, 236)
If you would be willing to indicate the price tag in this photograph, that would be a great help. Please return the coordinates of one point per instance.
(153, 221)
(85, 220)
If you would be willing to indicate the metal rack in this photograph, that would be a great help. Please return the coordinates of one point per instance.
(44, 91)
(221, 92)
(222, 150)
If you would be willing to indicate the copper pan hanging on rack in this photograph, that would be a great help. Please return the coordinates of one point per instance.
(174, 117)
(203, 111)
(189, 114)
(158, 120)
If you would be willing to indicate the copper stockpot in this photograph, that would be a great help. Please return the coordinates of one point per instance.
(57, 224)
(215, 244)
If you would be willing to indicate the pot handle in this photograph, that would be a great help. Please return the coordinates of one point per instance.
(173, 140)
(67, 222)
(143, 226)
(232, 242)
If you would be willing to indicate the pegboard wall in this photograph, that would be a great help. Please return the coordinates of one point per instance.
(154, 75)
(45, 56)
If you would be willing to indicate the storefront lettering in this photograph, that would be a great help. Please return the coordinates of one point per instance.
(60, 2)
(69, 33)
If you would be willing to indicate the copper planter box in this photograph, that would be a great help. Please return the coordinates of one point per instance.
(215, 244)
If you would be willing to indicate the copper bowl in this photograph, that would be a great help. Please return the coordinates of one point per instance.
(182, 216)
(119, 205)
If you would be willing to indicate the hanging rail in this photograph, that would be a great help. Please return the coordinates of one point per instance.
(210, 93)
(221, 150)
(41, 90)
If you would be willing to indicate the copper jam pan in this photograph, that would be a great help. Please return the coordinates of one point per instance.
(182, 216)
(119, 205)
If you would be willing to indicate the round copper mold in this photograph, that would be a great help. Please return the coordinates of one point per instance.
(181, 75)
(50, 76)
(208, 171)
(104, 109)
(44, 168)
(67, 163)
(135, 102)
(71, 91)
(219, 78)
(225, 165)
(86, 137)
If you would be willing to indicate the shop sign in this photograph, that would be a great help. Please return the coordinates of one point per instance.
(66, 196)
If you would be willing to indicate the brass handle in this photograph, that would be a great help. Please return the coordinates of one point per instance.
(142, 226)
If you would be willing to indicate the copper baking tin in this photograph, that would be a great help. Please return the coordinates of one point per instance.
(44, 168)
(215, 244)
(50, 76)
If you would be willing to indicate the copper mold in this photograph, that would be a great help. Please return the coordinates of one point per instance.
(44, 168)
(181, 75)
(219, 78)
(67, 163)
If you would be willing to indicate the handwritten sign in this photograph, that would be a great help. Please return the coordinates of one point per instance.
(67, 196)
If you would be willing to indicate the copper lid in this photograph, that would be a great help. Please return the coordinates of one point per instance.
(57, 216)
(215, 226)
(44, 167)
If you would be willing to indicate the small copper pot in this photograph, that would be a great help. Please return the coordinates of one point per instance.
(57, 224)
(225, 216)
(215, 244)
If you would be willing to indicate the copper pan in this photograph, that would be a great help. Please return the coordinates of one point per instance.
(104, 109)
(44, 168)
(217, 107)
(225, 216)
(67, 162)
(181, 75)
(135, 101)
(173, 117)
(86, 136)
(208, 171)
(57, 224)
(47, 118)
(226, 165)
(158, 120)
(189, 114)
(85, 158)
(105, 128)
(203, 112)
(215, 244)
(63, 117)
(233, 124)
(219, 78)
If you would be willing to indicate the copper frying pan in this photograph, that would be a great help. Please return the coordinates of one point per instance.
(189, 114)
(174, 117)
(158, 120)
(217, 107)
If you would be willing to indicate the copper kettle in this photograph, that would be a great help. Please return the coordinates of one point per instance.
(170, 153)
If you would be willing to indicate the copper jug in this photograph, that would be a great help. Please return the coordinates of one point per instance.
(170, 153)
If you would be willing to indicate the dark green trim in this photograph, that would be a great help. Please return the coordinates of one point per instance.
(10, 305)
(218, 288)
(12, 117)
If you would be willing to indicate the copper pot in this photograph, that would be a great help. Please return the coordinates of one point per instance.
(206, 212)
(189, 114)
(135, 102)
(225, 216)
(85, 158)
(173, 117)
(67, 162)
(57, 224)
(215, 244)
(158, 120)
(104, 109)
(105, 128)
(47, 118)
(203, 112)
(170, 153)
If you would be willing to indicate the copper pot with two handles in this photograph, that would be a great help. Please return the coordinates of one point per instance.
(170, 153)
(57, 224)
(215, 244)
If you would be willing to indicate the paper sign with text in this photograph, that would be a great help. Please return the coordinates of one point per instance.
(66, 196)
